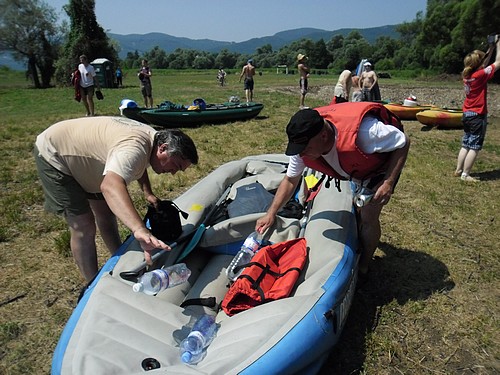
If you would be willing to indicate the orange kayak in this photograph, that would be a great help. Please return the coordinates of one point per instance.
(406, 112)
(441, 118)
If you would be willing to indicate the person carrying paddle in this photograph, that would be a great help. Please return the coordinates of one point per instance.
(360, 142)
(475, 107)
(85, 165)
(144, 75)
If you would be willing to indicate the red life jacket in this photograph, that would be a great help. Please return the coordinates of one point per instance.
(270, 275)
(347, 119)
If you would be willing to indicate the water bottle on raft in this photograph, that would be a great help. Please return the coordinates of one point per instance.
(155, 281)
(193, 347)
(245, 254)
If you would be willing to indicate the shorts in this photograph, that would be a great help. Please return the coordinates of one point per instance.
(303, 86)
(63, 195)
(87, 91)
(474, 131)
(248, 84)
(146, 90)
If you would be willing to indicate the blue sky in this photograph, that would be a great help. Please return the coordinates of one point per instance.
(236, 21)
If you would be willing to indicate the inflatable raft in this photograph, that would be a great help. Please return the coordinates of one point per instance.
(114, 330)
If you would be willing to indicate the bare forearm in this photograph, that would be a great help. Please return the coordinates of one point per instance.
(118, 199)
(283, 194)
(396, 163)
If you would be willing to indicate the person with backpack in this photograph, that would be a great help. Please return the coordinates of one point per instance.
(361, 142)
(85, 166)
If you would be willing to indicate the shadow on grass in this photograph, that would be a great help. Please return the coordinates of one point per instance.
(402, 275)
(488, 175)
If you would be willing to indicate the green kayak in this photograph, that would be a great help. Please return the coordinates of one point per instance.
(212, 113)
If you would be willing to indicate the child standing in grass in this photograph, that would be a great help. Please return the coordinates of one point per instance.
(475, 108)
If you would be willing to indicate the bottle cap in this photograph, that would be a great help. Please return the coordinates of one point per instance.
(138, 287)
(186, 357)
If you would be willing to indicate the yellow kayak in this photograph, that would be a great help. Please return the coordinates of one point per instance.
(406, 112)
(441, 118)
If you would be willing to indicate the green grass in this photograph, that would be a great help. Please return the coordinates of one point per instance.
(431, 306)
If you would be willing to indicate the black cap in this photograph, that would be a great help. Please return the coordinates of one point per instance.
(304, 125)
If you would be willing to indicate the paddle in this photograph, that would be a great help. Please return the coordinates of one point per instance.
(203, 226)
(195, 233)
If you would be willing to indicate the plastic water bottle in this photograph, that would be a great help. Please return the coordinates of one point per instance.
(201, 335)
(155, 281)
(244, 256)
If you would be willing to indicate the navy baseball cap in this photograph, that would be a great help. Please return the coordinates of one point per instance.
(304, 125)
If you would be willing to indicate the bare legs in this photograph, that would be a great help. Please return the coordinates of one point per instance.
(465, 161)
(83, 231)
(369, 233)
(88, 102)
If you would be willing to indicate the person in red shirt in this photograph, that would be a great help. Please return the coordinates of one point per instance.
(475, 77)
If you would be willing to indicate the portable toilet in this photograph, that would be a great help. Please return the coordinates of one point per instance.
(104, 72)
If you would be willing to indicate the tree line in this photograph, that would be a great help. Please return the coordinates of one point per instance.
(437, 41)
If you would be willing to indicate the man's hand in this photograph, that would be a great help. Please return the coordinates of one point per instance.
(264, 222)
(149, 243)
(383, 193)
(152, 200)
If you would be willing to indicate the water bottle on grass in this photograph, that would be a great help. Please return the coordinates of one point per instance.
(155, 281)
(201, 335)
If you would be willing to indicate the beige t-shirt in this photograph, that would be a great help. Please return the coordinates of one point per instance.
(87, 148)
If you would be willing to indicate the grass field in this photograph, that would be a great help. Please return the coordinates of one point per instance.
(432, 303)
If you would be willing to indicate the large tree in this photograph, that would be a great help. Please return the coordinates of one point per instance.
(86, 37)
(28, 29)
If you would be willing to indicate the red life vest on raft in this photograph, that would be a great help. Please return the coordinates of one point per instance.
(347, 119)
(270, 275)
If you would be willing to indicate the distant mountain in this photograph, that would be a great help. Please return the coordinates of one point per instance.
(145, 42)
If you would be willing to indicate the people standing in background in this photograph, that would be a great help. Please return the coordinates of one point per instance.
(303, 81)
(475, 108)
(87, 83)
(248, 72)
(368, 84)
(221, 76)
(343, 87)
(119, 77)
(356, 91)
(144, 75)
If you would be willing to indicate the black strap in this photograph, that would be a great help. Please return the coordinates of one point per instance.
(255, 284)
(207, 302)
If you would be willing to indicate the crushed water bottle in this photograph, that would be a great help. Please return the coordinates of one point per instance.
(155, 281)
(244, 256)
(201, 335)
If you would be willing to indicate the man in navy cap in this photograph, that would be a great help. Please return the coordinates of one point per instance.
(360, 142)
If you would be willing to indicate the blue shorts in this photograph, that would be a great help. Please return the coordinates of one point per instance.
(474, 131)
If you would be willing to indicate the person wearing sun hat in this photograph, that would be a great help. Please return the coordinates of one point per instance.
(359, 142)
(368, 83)
(304, 75)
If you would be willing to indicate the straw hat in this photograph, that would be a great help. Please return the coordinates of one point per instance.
(301, 57)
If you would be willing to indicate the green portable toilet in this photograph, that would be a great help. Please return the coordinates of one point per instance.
(104, 72)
